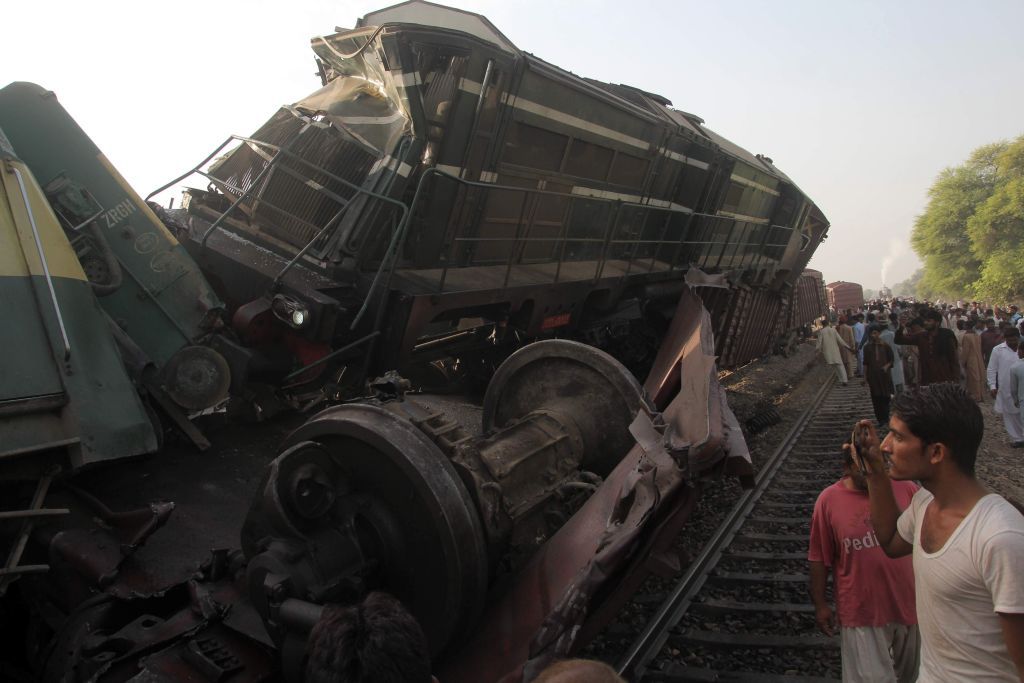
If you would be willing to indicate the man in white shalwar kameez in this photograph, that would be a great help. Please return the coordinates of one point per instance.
(1017, 382)
(829, 342)
(999, 365)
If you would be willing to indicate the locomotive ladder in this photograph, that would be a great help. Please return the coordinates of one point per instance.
(12, 569)
(784, 495)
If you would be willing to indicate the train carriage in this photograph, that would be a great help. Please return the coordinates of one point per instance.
(444, 191)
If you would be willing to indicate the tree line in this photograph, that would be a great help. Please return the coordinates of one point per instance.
(971, 234)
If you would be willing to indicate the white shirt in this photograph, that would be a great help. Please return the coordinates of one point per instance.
(829, 342)
(999, 364)
(961, 586)
(889, 337)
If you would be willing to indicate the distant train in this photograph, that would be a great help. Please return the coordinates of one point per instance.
(843, 296)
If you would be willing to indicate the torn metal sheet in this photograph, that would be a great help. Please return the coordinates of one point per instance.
(361, 96)
(571, 586)
(695, 277)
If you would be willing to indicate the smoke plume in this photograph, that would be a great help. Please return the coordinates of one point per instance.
(897, 248)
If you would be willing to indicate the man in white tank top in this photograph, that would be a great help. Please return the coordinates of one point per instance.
(967, 543)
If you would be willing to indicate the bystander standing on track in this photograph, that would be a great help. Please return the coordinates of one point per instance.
(999, 364)
(829, 344)
(990, 339)
(879, 638)
(967, 543)
(1017, 382)
(859, 335)
(849, 357)
(889, 337)
(878, 360)
(972, 362)
(909, 354)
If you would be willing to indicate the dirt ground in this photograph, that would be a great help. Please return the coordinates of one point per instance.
(998, 466)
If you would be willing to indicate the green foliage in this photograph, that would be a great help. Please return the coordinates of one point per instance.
(997, 230)
(971, 233)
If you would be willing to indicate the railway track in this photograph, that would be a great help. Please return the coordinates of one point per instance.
(741, 611)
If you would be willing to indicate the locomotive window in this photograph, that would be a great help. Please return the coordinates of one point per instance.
(690, 187)
(787, 211)
(587, 160)
(733, 198)
(439, 87)
(533, 147)
(762, 204)
(628, 170)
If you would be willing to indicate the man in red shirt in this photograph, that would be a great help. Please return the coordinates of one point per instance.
(874, 594)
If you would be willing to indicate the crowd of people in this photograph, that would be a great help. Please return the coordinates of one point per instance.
(894, 345)
(924, 559)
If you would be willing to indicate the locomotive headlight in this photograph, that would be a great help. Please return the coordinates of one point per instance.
(290, 311)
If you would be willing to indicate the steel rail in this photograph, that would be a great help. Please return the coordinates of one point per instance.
(652, 638)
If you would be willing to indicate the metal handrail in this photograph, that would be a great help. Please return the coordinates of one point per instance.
(281, 152)
(46, 267)
(563, 238)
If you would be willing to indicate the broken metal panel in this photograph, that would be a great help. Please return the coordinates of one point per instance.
(303, 178)
(361, 95)
(601, 553)
(206, 637)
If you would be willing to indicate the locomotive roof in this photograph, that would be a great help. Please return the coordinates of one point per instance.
(423, 13)
(758, 161)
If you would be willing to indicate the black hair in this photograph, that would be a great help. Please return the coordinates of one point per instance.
(916, 321)
(943, 413)
(375, 641)
(1011, 331)
(932, 314)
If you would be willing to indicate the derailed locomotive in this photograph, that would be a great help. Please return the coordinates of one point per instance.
(443, 199)
(446, 196)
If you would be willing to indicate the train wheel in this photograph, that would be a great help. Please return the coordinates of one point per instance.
(371, 500)
(573, 379)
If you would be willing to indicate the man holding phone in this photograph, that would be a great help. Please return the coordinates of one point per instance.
(967, 543)
(874, 594)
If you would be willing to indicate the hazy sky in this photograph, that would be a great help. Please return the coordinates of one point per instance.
(861, 103)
